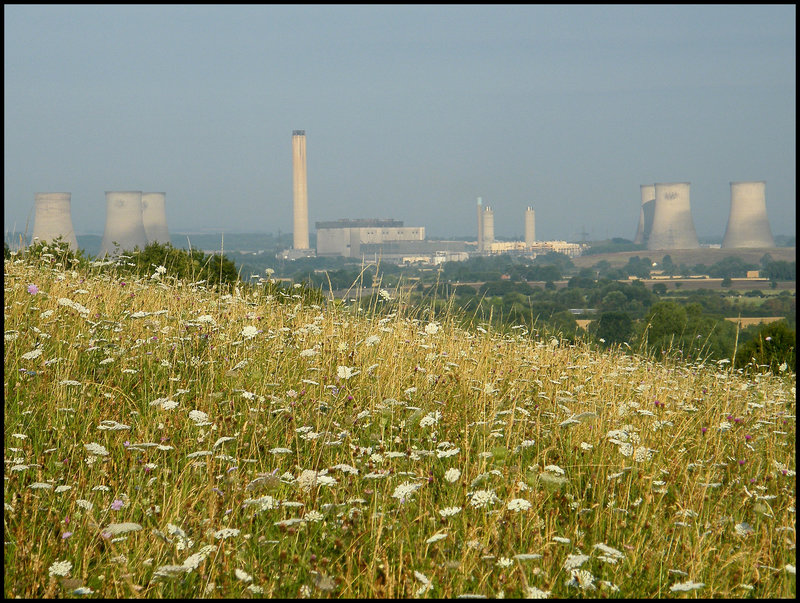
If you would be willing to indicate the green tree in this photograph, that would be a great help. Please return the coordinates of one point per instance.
(666, 322)
(613, 327)
(773, 345)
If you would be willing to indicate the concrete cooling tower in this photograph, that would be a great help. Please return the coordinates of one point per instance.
(487, 222)
(53, 218)
(530, 227)
(646, 214)
(124, 223)
(748, 225)
(300, 189)
(154, 217)
(673, 227)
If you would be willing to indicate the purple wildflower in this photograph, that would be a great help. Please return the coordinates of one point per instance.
(33, 289)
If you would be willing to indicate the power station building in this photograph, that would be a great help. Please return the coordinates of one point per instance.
(748, 225)
(673, 227)
(53, 218)
(350, 238)
(124, 223)
(154, 217)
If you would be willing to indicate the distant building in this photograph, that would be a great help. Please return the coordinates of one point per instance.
(349, 238)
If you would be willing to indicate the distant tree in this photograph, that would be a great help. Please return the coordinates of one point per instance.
(660, 288)
(726, 282)
(773, 345)
(612, 327)
(666, 322)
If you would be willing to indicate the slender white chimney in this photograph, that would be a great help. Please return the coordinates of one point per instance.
(530, 227)
(124, 224)
(53, 218)
(300, 189)
(154, 217)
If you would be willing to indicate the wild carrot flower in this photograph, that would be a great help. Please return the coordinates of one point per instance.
(60, 568)
(452, 474)
(519, 504)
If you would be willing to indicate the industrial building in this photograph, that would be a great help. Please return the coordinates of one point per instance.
(53, 218)
(347, 237)
(748, 225)
(154, 217)
(673, 227)
(124, 223)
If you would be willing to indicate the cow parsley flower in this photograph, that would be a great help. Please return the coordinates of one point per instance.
(482, 498)
(249, 332)
(519, 504)
(405, 490)
(452, 474)
(449, 511)
(60, 568)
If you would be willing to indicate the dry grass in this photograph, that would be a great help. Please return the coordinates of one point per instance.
(163, 440)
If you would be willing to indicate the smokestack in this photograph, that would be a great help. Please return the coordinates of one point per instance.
(154, 217)
(646, 214)
(673, 227)
(124, 224)
(748, 225)
(488, 227)
(53, 218)
(480, 225)
(530, 227)
(300, 189)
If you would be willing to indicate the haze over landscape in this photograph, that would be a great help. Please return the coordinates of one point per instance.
(410, 112)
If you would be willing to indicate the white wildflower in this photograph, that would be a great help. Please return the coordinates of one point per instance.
(575, 561)
(436, 537)
(452, 474)
(405, 490)
(226, 533)
(482, 498)
(534, 593)
(96, 448)
(313, 516)
(32, 355)
(519, 504)
(449, 511)
(60, 568)
(242, 575)
(345, 372)
(686, 586)
(249, 332)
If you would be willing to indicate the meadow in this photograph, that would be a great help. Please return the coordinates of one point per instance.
(167, 439)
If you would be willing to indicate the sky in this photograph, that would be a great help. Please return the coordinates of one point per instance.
(411, 112)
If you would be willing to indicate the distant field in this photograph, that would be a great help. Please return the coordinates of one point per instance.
(755, 320)
(690, 257)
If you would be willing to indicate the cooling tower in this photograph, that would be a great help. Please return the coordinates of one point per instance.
(300, 189)
(673, 227)
(53, 218)
(646, 214)
(480, 225)
(488, 227)
(748, 225)
(124, 224)
(154, 217)
(530, 227)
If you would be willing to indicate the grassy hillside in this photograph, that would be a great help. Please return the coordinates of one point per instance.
(164, 440)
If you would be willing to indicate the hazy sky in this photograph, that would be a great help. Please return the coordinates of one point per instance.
(410, 112)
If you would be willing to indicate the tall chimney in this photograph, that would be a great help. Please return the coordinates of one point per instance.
(124, 224)
(488, 228)
(530, 227)
(673, 227)
(53, 218)
(154, 217)
(300, 189)
(748, 225)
